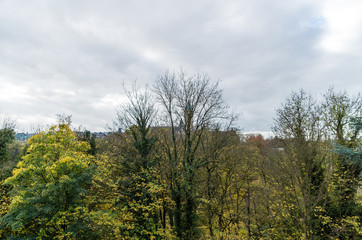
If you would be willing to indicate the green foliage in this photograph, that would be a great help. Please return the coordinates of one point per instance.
(344, 209)
(7, 136)
(353, 156)
(49, 186)
(137, 188)
(124, 196)
(15, 150)
(9, 153)
(86, 136)
(191, 179)
(299, 125)
(138, 196)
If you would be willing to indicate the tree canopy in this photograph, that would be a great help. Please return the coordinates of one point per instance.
(49, 186)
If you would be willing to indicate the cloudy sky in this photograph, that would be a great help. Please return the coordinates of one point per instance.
(72, 57)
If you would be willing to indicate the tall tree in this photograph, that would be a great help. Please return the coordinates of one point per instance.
(342, 117)
(298, 123)
(7, 136)
(9, 153)
(137, 185)
(191, 106)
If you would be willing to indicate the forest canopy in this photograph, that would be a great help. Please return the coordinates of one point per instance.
(180, 169)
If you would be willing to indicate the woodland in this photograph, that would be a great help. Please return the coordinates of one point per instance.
(180, 169)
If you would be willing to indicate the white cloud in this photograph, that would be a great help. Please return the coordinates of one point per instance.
(110, 101)
(14, 93)
(343, 26)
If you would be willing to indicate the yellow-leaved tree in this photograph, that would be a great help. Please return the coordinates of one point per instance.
(49, 186)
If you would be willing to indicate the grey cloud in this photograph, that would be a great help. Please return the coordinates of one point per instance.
(69, 56)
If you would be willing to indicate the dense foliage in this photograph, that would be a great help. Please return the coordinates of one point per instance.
(184, 172)
(48, 188)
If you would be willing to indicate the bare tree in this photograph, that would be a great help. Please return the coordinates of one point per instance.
(299, 124)
(137, 115)
(191, 106)
(338, 114)
(9, 123)
(64, 119)
(138, 187)
(139, 109)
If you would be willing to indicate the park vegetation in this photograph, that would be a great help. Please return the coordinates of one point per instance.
(180, 169)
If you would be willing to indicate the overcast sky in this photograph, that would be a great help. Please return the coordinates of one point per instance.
(73, 56)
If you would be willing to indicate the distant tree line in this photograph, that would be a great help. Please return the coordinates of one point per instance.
(180, 169)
